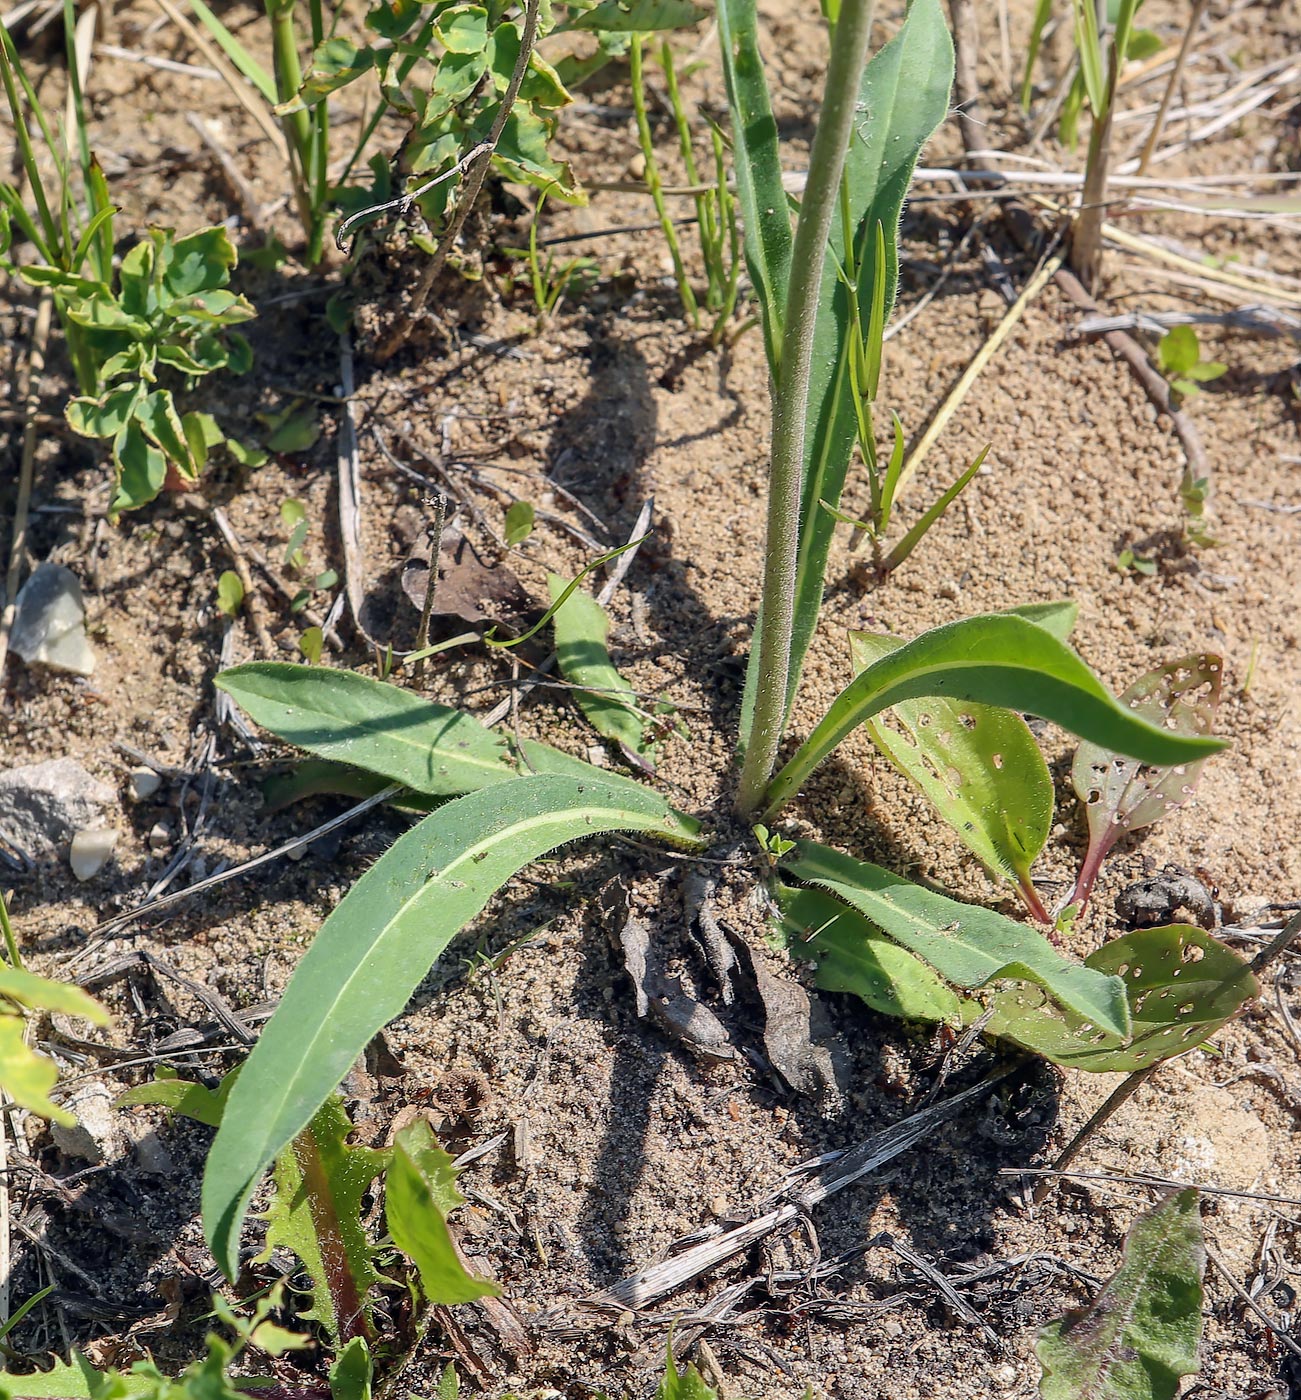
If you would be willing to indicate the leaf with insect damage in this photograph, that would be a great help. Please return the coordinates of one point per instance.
(978, 764)
(1120, 794)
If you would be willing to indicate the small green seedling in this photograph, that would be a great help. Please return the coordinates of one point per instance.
(1179, 354)
(520, 517)
(1121, 795)
(1139, 1336)
(1128, 562)
(552, 281)
(170, 312)
(230, 593)
(293, 516)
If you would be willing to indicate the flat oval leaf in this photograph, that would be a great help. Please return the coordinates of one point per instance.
(997, 659)
(1120, 794)
(1181, 986)
(967, 945)
(1139, 1336)
(372, 952)
(370, 724)
(605, 698)
(978, 764)
(851, 955)
(419, 1191)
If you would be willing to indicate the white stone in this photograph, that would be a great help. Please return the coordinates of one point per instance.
(91, 851)
(160, 838)
(144, 783)
(97, 1135)
(50, 624)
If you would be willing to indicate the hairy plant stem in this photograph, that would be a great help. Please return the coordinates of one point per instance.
(790, 392)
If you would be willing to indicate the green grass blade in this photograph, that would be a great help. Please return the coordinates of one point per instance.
(967, 945)
(996, 659)
(978, 764)
(372, 952)
(756, 160)
(370, 724)
(1043, 12)
(933, 512)
(236, 52)
(904, 96)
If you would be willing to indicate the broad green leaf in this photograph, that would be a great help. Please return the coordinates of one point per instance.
(605, 698)
(336, 63)
(181, 1096)
(1181, 986)
(852, 955)
(141, 469)
(1177, 351)
(967, 945)
(103, 417)
(1121, 795)
(635, 16)
(46, 994)
(316, 1212)
(519, 522)
(1058, 618)
(463, 29)
(419, 1192)
(757, 162)
(542, 758)
(978, 764)
(161, 423)
(77, 1380)
(370, 724)
(996, 659)
(373, 950)
(199, 262)
(27, 1077)
(352, 1372)
(1139, 1336)
(904, 97)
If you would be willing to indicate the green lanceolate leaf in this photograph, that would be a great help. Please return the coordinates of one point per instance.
(852, 955)
(904, 97)
(764, 208)
(316, 1212)
(1121, 795)
(995, 659)
(181, 1096)
(1181, 986)
(373, 950)
(1139, 1336)
(419, 1193)
(978, 764)
(967, 945)
(605, 698)
(370, 724)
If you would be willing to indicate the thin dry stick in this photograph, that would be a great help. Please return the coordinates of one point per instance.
(239, 186)
(1278, 945)
(1147, 248)
(234, 81)
(1249, 1301)
(1177, 72)
(473, 184)
(349, 473)
(434, 534)
(982, 358)
(236, 550)
(29, 393)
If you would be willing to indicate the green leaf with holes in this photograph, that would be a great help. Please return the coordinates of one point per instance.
(1181, 986)
(978, 764)
(1121, 795)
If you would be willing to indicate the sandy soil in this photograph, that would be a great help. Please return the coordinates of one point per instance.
(614, 1140)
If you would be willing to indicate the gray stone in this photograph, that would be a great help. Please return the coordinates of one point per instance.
(98, 1135)
(45, 804)
(50, 623)
(144, 783)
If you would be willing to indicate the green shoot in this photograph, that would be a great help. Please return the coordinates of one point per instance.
(1179, 355)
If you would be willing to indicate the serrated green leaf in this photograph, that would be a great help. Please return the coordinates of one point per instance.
(1139, 1336)
(967, 945)
(199, 262)
(852, 955)
(996, 659)
(419, 1192)
(316, 1213)
(1181, 986)
(978, 764)
(1121, 795)
(605, 698)
(141, 469)
(373, 950)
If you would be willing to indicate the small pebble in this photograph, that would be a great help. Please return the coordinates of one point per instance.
(950, 590)
(718, 1207)
(97, 1135)
(92, 848)
(160, 838)
(144, 783)
(597, 756)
